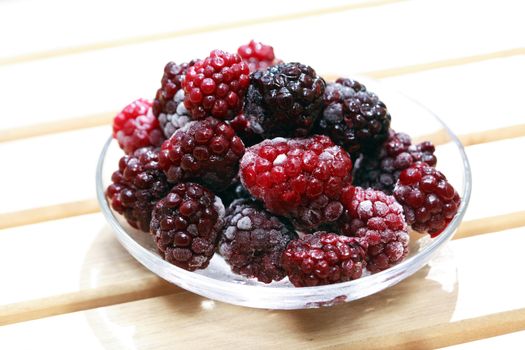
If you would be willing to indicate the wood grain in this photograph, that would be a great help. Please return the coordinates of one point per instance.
(463, 308)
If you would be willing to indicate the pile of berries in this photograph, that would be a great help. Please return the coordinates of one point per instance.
(318, 188)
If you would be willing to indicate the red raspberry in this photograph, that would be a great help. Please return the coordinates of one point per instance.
(429, 200)
(186, 224)
(137, 186)
(216, 86)
(323, 258)
(253, 241)
(207, 151)
(258, 55)
(380, 170)
(171, 83)
(136, 127)
(377, 220)
(302, 179)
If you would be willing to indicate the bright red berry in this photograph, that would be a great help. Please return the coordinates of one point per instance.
(216, 86)
(302, 179)
(136, 127)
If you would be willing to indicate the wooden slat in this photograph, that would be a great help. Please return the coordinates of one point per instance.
(208, 27)
(511, 341)
(463, 308)
(48, 213)
(68, 265)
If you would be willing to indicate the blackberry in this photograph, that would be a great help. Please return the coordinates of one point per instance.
(353, 117)
(169, 123)
(284, 100)
(136, 186)
(253, 241)
(380, 170)
(302, 179)
(186, 224)
(429, 200)
(323, 258)
(377, 220)
(258, 56)
(216, 86)
(136, 127)
(207, 151)
(171, 83)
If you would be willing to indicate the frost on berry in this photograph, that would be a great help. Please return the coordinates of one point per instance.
(377, 220)
(253, 241)
(302, 179)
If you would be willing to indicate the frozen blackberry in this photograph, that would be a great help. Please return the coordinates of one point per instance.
(207, 151)
(136, 186)
(171, 83)
(429, 200)
(216, 86)
(284, 100)
(353, 117)
(253, 241)
(169, 123)
(257, 55)
(323, 258)
(380, 170)
(136, 127)
(378, 221)
(186, 224)
(302, 179)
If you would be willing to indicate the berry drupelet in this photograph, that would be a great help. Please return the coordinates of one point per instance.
(353, 117)
(253, 241)
(171, 83)
(137, 186)
(323, 258)
(429, 200)
(186, 224)
(136, 127)
(207, 151)
(380, 170)
(302, 179)
(377, 220)
(257, 55)
(284, 100)
(216, 86)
